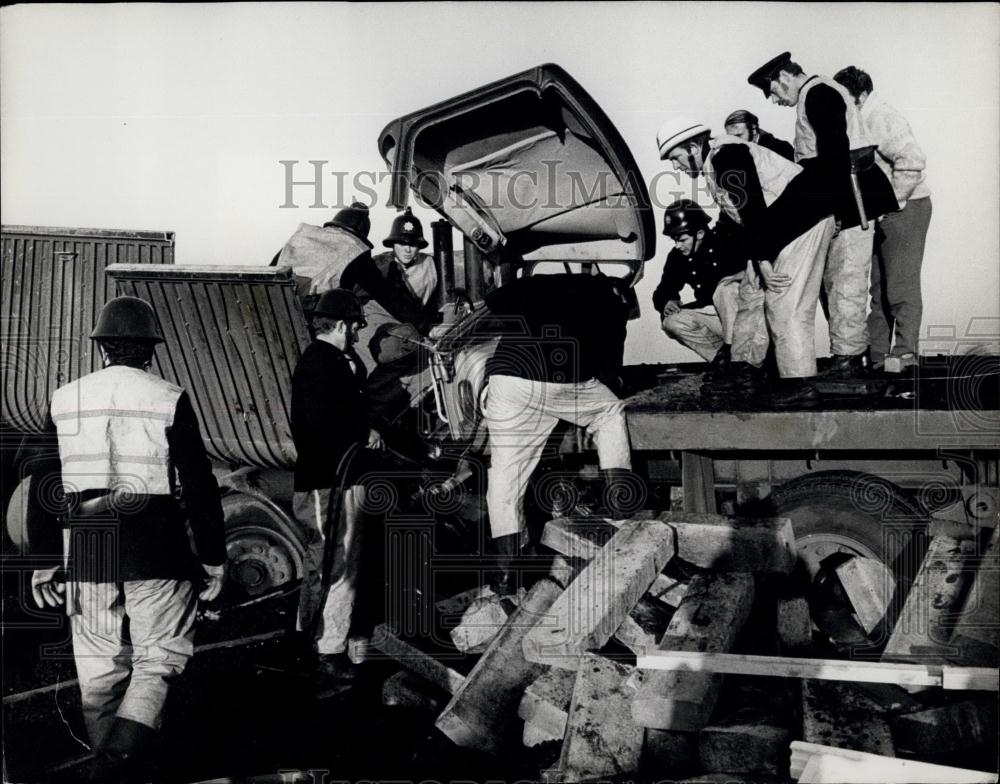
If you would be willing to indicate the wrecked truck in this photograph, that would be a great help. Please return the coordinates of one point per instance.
(537, 179)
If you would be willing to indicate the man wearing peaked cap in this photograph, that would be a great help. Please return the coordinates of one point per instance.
(786, 238)
(838, 162)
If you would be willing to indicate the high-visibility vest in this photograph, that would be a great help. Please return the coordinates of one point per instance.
(112, 427)
(805, 135)
(773, 171)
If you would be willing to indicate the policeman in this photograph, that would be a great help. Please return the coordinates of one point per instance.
(837, 158)
(713, 271)
(128, 442)
(331, 430)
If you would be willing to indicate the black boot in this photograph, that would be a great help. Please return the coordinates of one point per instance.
(795, 393)
(844, 366)
(742, 378)
(624, 493)
(507, 549)
(125, 754)
(718, 368)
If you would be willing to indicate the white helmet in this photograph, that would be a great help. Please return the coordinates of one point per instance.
(678, 130)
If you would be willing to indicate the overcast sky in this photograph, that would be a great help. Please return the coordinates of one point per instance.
(175, 117)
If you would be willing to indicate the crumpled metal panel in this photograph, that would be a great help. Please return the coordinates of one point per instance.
(52, 287)
(232, 338)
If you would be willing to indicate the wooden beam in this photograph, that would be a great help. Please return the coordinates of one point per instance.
(734, 544)
(944, 676)
(922, 629)
(710, 618)
(813, 762)
(481, 713)
(744, 747)
(977, 630)
(480, 623)
(958, 727)
(698, 482)
(594, 605)
(416, 660)
(794, 624)
(601, 740)
(869, 586)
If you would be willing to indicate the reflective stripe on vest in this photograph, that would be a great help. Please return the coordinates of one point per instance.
(805, 136)
(112, 427)
(773, 171)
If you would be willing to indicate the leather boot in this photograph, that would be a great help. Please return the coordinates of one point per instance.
(742, 378)
(718, 368)
(507, 549)
(623, 493)
(125, 754)
(844, 366)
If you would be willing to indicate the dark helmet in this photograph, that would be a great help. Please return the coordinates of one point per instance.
(127, 317)
(340, 304)
(406, 230)
(683, 217)
(353, 219)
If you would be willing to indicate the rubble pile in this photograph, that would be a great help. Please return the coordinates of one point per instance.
(681, 646)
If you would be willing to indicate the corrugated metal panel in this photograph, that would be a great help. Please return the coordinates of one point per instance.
(52, 287)
(233, 336)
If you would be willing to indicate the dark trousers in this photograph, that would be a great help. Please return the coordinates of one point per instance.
(895, 279)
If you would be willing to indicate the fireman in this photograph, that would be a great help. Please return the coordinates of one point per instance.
(127, 441)
(713, 271)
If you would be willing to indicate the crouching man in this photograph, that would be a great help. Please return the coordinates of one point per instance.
(128, 441)
(332, 434)
(713, 271)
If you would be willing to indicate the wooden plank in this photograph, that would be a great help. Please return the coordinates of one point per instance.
(601, 739)
(481, 622)
(597, 601)
(832, 716)
(416, 660)
(644, 625)
(869, 587)
(744, 747)
(709, 619)
(481, 713)
(922, 629)
(698, 482)
(847, 765)
(545, 706)
(973, 678)
(403, 690)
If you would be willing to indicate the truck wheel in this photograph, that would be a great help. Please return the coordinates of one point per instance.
(842, 515)
(264, 548)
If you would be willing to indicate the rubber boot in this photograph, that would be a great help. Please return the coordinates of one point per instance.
(125, 754)
(742, 379)
(718, 368)
(507, 549)
(623, 493)
(845, 367)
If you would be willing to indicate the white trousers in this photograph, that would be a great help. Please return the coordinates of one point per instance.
(130, 640)
(704, 330)
(334, 599)
(787, 317)
(845, 280)
(521, 414)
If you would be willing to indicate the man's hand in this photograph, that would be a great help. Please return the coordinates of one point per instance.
(752, 278)
(671, 307)
(48, 589)
(216, 578)
(775, 281)
(374, 439)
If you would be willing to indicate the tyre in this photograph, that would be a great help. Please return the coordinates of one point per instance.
(265, 548)
(840, 516)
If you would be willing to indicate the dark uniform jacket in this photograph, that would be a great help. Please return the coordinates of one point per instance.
(559, 328)
(328, 414)
(774, 144)
(702, 271)
(146, 536)
(381, 278)
(828, 175)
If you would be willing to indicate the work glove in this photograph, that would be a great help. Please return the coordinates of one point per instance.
(216, 576)
(48, 587)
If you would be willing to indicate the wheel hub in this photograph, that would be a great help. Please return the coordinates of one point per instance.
(259, 563)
